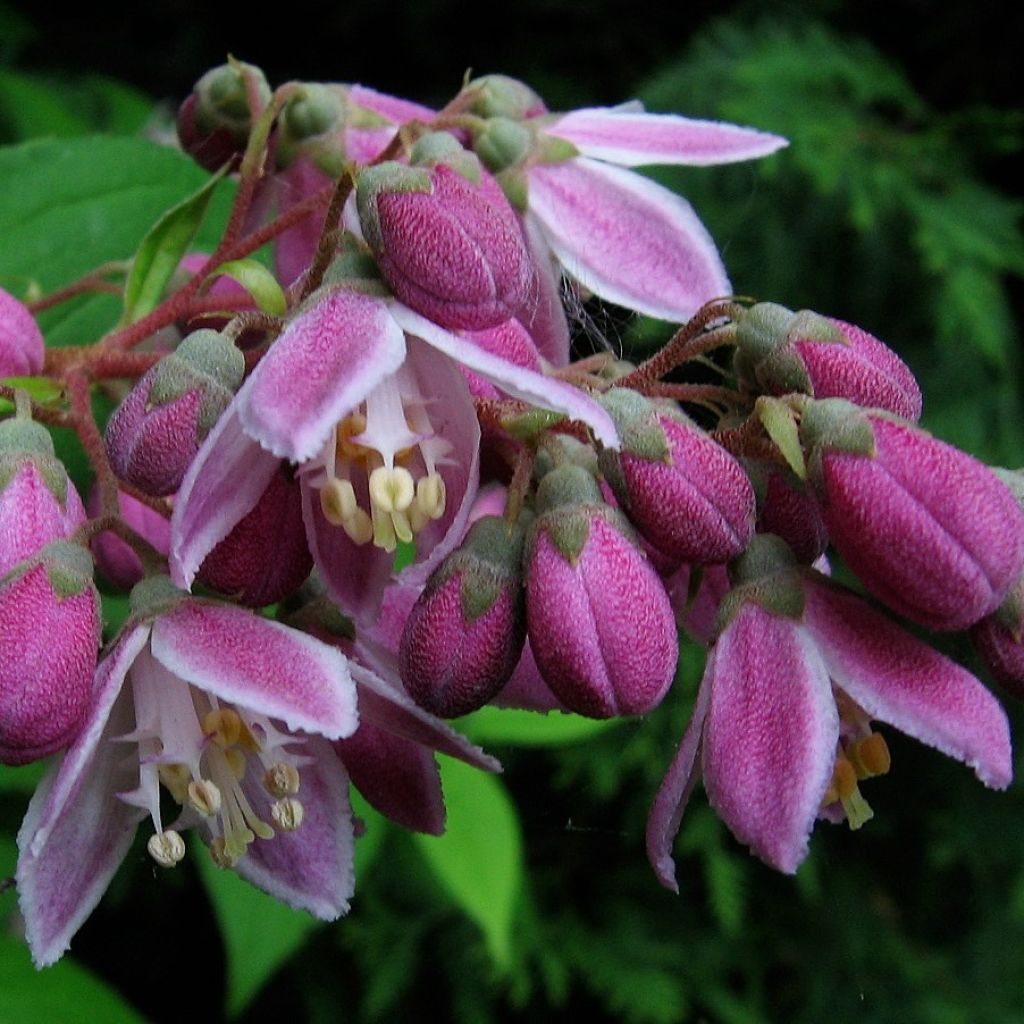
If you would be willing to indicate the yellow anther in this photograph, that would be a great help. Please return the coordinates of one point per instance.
(338, 501)
(391, 490)
(858, 811)
(175, 778)
(223, 726)
(287, 814)
(281, 780)
(844, 779)
(430, 496)
(350, 426)
(204, 797)
(384, 531)
(219, 854)
(359, 528)
(167, 848)
(869, 756)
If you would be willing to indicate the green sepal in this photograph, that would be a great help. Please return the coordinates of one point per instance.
(768, 574)
(836, 425)
(779, 421)
(390, 177)
(153, 596)
(503, 143)
(69, 568)
(443, 148)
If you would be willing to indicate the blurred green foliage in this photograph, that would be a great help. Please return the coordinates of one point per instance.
(540, 903)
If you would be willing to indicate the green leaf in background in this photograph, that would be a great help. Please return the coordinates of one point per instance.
(39, 389)
(492, 725)
(67, 206)
(22, 779)
(64, 993)
(479, 859)
(369, 843)
(259, 282)
(161, 252)
(259, 933)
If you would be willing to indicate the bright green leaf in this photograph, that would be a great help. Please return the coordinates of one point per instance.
(479, 859)
(258, 281)
(369, 843)
(65, 992)
(259, 933)
(161, 252)
(22, 779)
(31, 106)
(68, 206)
(492, 725)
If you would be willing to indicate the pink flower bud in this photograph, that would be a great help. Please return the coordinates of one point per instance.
(502, 96)
(600, 624)
(156, 431)
(114, 557)
(49, 637)
(266, 556)
(21, 341)
(449, 247)
(687, 495)
(929, 530)
(38, 503)
(215, 120)
(510, 340)
(782, 352)
(788, 509)
(464, 635)
(999, 638)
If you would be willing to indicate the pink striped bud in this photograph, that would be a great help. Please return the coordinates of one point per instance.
(38, 503)
(115, 557)
(157, 430)
(787, 508)
(685, 494)
(464, 635)
(446, 240)
(21, 341)
(929, 530)
(49, 637)
(781, 352)
(265, 556)
(600, 624)
(999, 639)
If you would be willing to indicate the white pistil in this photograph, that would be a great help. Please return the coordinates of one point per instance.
(167, 848)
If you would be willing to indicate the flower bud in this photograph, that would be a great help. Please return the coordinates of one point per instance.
(49, 638)
(448, 248)
(215, 120)
(510, 340)
(38, 503)
(21, 342)
(780, 351)
(265, 556)
(600, 624)
(999, 639)
(685, 494)
(114, 557)
(787, 508)
(929, 530)
(156, 431)
(464, 635)
(312, 124)
(502, 96)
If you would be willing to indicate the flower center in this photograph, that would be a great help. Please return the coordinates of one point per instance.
(215, 760)
(857, 758)
(380, 481)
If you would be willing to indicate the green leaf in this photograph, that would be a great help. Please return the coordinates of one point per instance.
(369, 843)
(65, 992)
(32, 106)
(161, 252)
(492, 725)
(39, 389)
(22, 779)
(70, 205)
(479, 859)
(258, 932)
(258, 281)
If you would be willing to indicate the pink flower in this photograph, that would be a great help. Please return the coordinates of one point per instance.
(366, 398)
(781, 722)
(233, 715)
(21, 342)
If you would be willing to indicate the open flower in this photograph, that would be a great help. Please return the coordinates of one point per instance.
(366, 397)
(232, 714)
(781, 724)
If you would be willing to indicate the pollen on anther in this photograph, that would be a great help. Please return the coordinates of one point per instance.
(167, 848)
(287, 814)
(281, 780)
(223, 726)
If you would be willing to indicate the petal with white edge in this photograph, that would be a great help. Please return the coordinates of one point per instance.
(321, 367)
(626, 238)
(633, 138)
(76, 832)
(532, 387)
(898, 679)
(258, 664)
(311, 868)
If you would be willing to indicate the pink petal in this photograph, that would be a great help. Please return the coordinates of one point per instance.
(258, 664)
(394, 108)
(632, 138)
(223, 484)
(898, 679)
(295, 248)
(626, 238)
(311, 868)
(674, 792)
(76, 833)
(532, 387)
(326, 361)
(544, 316)
(771, 734)
(397, 776)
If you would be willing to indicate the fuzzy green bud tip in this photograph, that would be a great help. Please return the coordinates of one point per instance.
(568, 485)
(153, 595)
(18, 435)
(502, 143)
(214, 355)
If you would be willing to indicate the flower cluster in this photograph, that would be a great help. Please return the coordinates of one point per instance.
(403, 384)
